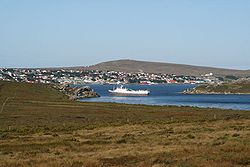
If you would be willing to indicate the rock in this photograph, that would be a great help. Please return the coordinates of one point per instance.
(76, 93)
(85, 92)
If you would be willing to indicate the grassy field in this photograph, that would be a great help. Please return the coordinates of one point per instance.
(40, 127)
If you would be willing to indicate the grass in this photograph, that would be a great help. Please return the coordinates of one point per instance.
(40, 127)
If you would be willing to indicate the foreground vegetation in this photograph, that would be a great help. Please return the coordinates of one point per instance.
(39, 126)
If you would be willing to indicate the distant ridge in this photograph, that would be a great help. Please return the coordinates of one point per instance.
(168, 68)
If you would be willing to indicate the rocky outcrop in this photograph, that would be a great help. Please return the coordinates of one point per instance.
(76, 93)
(84, 92)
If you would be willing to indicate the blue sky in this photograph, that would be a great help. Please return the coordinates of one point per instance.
(46, 33)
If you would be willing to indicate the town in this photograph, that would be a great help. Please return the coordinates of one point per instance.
(100, 77)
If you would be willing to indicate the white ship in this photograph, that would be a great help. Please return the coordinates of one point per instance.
(121, 91)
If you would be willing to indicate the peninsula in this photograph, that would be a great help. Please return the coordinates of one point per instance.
(238, 87)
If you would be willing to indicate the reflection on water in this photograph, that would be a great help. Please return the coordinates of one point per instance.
(169, 94)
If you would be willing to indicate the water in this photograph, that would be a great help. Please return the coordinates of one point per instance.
(170, 94)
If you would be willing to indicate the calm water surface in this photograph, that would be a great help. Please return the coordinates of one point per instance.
(170, 94)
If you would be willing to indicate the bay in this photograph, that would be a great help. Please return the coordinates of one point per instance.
(170, 94)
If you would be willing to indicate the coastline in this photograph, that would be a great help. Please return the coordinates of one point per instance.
(163, 105)
(213, 93)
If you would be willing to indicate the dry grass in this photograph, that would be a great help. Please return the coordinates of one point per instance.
(42, 128)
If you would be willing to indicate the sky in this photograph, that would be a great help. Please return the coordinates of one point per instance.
(56, 33)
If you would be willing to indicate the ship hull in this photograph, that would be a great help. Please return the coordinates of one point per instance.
(127, 94)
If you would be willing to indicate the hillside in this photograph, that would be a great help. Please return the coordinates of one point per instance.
(40, 127)
(168, 68)
(27, 91)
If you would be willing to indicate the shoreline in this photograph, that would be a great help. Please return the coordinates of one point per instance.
(167, 106)
(214, 93)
